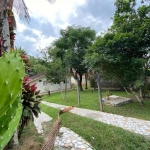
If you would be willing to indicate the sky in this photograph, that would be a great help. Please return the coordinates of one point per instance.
(46, 21)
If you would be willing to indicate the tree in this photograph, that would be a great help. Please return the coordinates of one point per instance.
(72, 45)
(54, 54)
(55, 73)
(120, 54)
(8, 24)
(36, 66)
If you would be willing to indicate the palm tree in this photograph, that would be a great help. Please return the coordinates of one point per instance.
(7, 25)
(7, 18)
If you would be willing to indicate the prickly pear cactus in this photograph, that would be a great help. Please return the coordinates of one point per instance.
(5, 138)
(12, 72)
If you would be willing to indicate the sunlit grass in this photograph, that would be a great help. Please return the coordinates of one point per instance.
(89, 100)
(101, 136)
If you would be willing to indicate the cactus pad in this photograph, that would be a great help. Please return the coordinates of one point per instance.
(5, 138)
(12, 72)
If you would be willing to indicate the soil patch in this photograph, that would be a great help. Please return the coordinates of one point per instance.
(31, 139)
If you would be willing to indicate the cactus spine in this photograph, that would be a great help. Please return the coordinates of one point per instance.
(12, 72)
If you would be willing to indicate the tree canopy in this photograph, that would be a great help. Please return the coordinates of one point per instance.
(121, 53)
(72, 45)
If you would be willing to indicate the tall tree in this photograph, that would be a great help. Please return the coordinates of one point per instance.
(73, 44)
(7, 24)
(36, 66)
(120, 54)
(55, 73)
(52, 55)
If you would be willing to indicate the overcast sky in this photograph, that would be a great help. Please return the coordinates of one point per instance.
(47, 20)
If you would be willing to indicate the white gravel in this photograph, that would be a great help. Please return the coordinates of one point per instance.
(38, 121)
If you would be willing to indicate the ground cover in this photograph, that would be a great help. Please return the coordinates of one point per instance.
(99, 135)
(31, 139)
(89, 100)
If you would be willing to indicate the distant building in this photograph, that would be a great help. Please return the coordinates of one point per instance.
(44, 86)
(74, 81)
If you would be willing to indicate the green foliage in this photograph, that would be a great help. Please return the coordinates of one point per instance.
(100, 135)
(90, 101)
(121, 54)
(92, 79)
(20, 50)
(33, 64)
(11, 76)
(72, 47)
(55, 72)
(36, 66)
(30, 97)
(30, 102)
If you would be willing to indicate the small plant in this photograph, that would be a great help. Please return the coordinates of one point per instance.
(108, 94)
(30, 103)
(30, 97)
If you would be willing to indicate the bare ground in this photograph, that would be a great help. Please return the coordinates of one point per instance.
(31, 139)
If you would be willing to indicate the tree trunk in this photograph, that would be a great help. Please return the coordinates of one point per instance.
(80, 83)
(136, 96)
(126, 91)
(2, 20)
(66, 89)
(5, 46)
(141, 93)
(61, 92)
(86, 81)
(78, 87)
(5, 32)
(99, 92)
(78, 91)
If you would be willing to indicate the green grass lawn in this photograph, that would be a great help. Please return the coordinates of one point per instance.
(101, 136)
(89, 100)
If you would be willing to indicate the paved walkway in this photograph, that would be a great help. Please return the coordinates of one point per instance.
(42, 117)
(66, 139)
(69, 140)
(134, 125)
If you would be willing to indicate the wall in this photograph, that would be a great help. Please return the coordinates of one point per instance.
(44, 87)
(83, 81)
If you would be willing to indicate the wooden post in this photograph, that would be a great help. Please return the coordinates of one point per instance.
(99, 92)
(78, 91)
(86, 87)
(66, 89)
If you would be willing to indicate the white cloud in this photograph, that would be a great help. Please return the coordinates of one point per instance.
(21, 27)
(37, 32)
(43, 42)
(30, 39)
(60, 10)
(55, 17)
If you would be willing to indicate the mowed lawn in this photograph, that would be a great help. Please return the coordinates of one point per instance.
(101, 136)
(89, 100)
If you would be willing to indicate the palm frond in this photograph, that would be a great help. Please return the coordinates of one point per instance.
(13, 22)
(21, 10)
